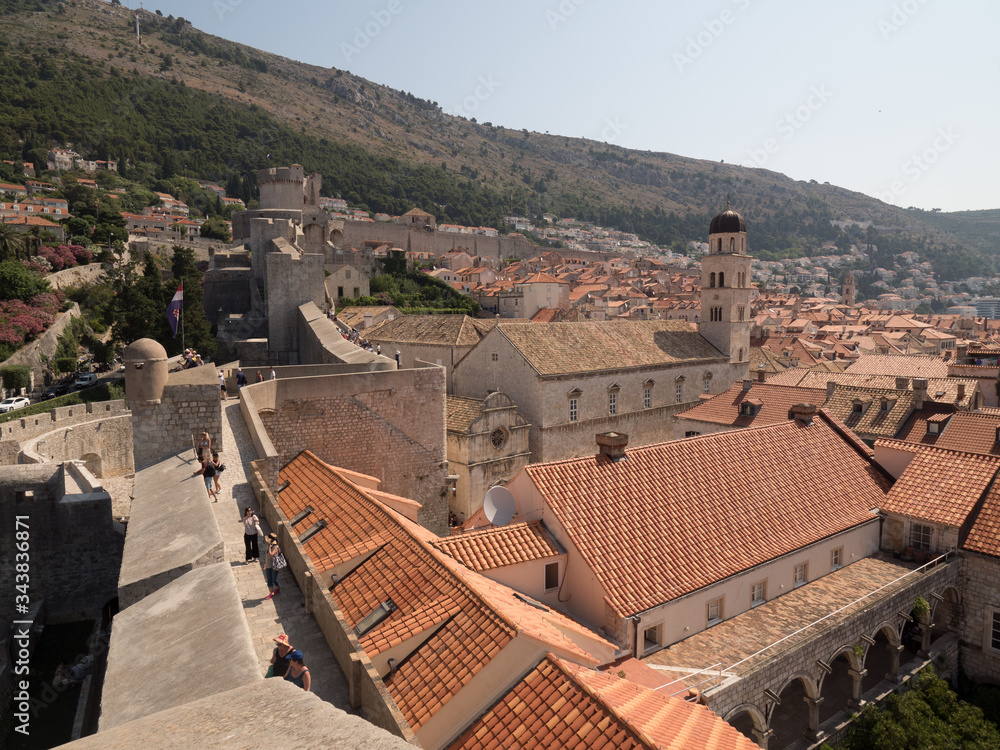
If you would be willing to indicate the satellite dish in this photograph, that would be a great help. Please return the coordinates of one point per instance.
(499, 506)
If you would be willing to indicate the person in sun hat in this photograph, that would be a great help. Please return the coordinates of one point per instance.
(279, 664)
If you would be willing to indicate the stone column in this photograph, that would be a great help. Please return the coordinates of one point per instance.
(813, 732)
(893, 674)
(857, 675)
(762, 736)
(925, 639)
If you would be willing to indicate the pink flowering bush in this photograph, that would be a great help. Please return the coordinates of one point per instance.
(60, 257)
(82, 254)
(38, 265)
(20, 323)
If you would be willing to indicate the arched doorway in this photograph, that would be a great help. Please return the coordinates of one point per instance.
(837, 689)
(92, 462)
(790, 718)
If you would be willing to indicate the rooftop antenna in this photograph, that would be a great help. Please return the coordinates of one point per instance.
(499, 506)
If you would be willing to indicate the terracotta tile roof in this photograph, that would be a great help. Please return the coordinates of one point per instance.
(559, 705)
(774, 403)
(947, 387)
(501, 546)
(913, 366)
(984, 533)
(939, 485)
(472, 618)
(443, 330)
(542, 278)
(692, 512)
(563, 348)
(971, 432)
(915, 428)
(462, 412)
(872, 420)
(355, 316)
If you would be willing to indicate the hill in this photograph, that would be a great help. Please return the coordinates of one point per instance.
(185, 102)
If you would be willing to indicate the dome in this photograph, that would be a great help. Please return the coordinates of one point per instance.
(144, 350)
(727, 222)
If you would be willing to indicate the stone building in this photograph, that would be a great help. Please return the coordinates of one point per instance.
(487, 446)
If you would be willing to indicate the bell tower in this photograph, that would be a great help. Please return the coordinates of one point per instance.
(849, 290)
(725, 289)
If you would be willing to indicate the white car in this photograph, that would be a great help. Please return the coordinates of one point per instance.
(85, 380)
(14, 402)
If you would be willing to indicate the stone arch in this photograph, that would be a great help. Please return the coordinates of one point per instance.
(945, 612)
(882, 657)
(732, 244)
(336, 238)
(722, 278)
(748, 720)
(838, 688)
(93, 463)
(711, 280)
(789, 720)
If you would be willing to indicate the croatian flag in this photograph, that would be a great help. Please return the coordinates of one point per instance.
(174, 308)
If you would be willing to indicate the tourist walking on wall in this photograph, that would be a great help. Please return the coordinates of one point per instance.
(251, 528)
(208, 471)
(241, 379)
(272, 554)
(204, 447)
(273, 376)
(279, 664)
(260, 377)
(298, 672)
(222, 386)
(219, 468)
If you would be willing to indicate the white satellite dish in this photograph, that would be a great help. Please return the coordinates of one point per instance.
(499, 506)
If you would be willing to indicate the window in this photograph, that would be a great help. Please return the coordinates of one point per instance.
(691, 433)
(711, 280)
(732, 244)
(757, 594)
(647, 398)
(498, 437)
(707, 385)
(494, 357)
(920, 536)
(551, 576)
(857, 408)
(573, 413)
(800, 574)
(747, 410)
(679, 392)
(995, 632)
(357, 292)
(835, 558)
(722, 278)
(932, 428)
(340, 291)
(714, 611)
(612, 403)
(741, 311)
(348, 275)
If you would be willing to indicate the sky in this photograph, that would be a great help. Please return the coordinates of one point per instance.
(893, 98)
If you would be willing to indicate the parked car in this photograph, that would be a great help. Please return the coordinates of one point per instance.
(14, 402)
(85, 380)
(54, 391)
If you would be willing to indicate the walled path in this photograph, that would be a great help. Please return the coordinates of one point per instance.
(286, 612)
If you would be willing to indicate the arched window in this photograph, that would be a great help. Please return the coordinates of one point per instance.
(732, 244)
(722, 278)
(720, 244)
(711, 280)
(741, 355)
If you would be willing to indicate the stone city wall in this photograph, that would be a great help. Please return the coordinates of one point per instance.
(368, 691)
(104, 445)
(981, 597)
(172, 426)
(19, 432)
(358, 233)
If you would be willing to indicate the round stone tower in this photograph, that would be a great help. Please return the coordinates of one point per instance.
(145, 372)
(282, 187)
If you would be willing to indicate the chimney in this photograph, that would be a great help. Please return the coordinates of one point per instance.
(368, 320)
(612, 445)
(961, 391)
(919, 392)
(804, 413)
(747, 384)
(761, 375)
(830, 386)
(902, 384)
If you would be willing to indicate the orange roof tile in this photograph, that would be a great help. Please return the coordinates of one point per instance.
(501, 546)
(559, 705)
(675, 517)
(939, 485)
(984, 532)
(910, 365)
(775, 402)
(972, 432)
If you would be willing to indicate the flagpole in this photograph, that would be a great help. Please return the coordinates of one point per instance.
(183, 346)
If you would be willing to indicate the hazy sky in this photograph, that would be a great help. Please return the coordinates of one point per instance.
(897, 99)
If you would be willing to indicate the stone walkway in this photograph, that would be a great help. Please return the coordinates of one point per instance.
(286, 612)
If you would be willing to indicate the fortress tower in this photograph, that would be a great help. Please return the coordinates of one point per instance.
(282, 187)
(849, 290)
(725, 288)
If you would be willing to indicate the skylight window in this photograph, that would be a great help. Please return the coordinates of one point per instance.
(312, 531)
(375, 617)
(302, 515)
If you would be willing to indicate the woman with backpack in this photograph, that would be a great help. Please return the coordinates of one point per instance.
(274, 561)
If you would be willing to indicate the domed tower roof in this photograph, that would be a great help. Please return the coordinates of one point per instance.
(727, 222)
(142, 350)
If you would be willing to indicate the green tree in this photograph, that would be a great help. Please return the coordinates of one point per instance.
(197, 332)
(17, 282)
(11, 242)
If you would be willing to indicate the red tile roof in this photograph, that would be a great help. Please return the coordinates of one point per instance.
(473, 618)
(775, 402)
(939, 485)
(910, 365)
(558, 705)
(972, 432)
(501, 546)
(984, 532)
(675, 517)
